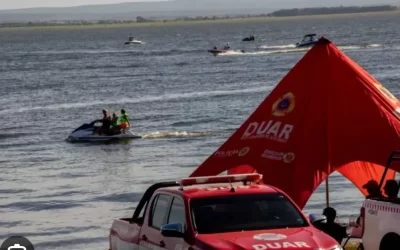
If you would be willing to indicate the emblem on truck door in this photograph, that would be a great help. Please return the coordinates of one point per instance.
(373, 212)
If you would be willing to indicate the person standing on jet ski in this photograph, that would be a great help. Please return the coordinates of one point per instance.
(124, 123)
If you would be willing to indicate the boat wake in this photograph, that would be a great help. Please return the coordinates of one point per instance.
(268, 52)
(278, 46)
(365, 46)
(183, 134)
(285, 49)
(231, 52)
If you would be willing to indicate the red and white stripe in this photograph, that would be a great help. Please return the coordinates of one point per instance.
(383, 207)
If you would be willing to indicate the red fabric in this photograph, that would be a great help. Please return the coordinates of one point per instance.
(334, 116)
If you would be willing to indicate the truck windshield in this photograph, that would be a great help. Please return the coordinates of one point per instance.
(244, 213)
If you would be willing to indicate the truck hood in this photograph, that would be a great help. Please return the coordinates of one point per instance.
(288, 238)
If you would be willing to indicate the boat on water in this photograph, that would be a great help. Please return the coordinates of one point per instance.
(85, 133)
(215, 51)
(247, 39)
(308, 41)
(132, 40)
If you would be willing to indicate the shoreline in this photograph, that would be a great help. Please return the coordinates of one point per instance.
(196, 22)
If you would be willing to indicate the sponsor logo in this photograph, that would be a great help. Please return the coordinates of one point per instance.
(283, 105)
(272, 130)
(17, 243)
(281, 245)
(269, 236)
(373, 212)
(229, 153)
(279, 156)
(244, 151)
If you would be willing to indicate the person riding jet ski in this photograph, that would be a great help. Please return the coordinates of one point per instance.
(106, 123)
(124, 123)
(226, 47)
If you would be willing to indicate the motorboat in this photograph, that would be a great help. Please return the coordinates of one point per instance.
(132, 40)
(215, 51)
(85, 133)
(247, 39)
(308, 41)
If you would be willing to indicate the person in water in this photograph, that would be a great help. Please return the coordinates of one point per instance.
(124, 123)
(332, 228)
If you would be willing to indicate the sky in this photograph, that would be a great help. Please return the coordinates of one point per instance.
(21, 4)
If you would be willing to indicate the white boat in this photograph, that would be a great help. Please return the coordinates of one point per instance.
(308, 41)
(132, 40)
(85, 133)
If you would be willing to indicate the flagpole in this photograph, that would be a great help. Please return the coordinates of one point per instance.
(327, 191)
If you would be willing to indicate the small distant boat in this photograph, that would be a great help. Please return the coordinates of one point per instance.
(226, 49)
(308, 41)
(247, 39)
(132, 40)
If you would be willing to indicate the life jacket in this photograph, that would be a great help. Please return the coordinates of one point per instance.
(123, 119)
(114, 121)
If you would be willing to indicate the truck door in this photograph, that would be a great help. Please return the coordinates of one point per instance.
(150, 235)
(176, 215)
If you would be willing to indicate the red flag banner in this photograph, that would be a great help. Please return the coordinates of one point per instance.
(326, 114)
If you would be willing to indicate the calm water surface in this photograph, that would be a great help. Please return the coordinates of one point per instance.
(184, 101)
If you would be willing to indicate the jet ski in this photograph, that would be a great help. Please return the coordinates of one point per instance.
(85, 134)
(247, 39)
(216, 51)
(132, 40)
(308, 41)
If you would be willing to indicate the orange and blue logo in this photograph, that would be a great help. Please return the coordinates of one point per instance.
(283, 105)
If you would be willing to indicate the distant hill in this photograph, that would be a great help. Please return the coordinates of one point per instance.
(331, 10)
(168, 9)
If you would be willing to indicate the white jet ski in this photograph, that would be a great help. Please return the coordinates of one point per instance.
(85, 134)
(132, 40)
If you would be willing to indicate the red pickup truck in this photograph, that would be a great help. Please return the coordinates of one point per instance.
(219, 212)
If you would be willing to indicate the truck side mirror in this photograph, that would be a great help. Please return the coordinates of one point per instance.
(172, 230)
(315, 218)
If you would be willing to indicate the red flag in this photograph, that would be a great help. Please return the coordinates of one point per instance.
(326, 114)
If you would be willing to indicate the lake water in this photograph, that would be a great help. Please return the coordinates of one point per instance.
(184, 101)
